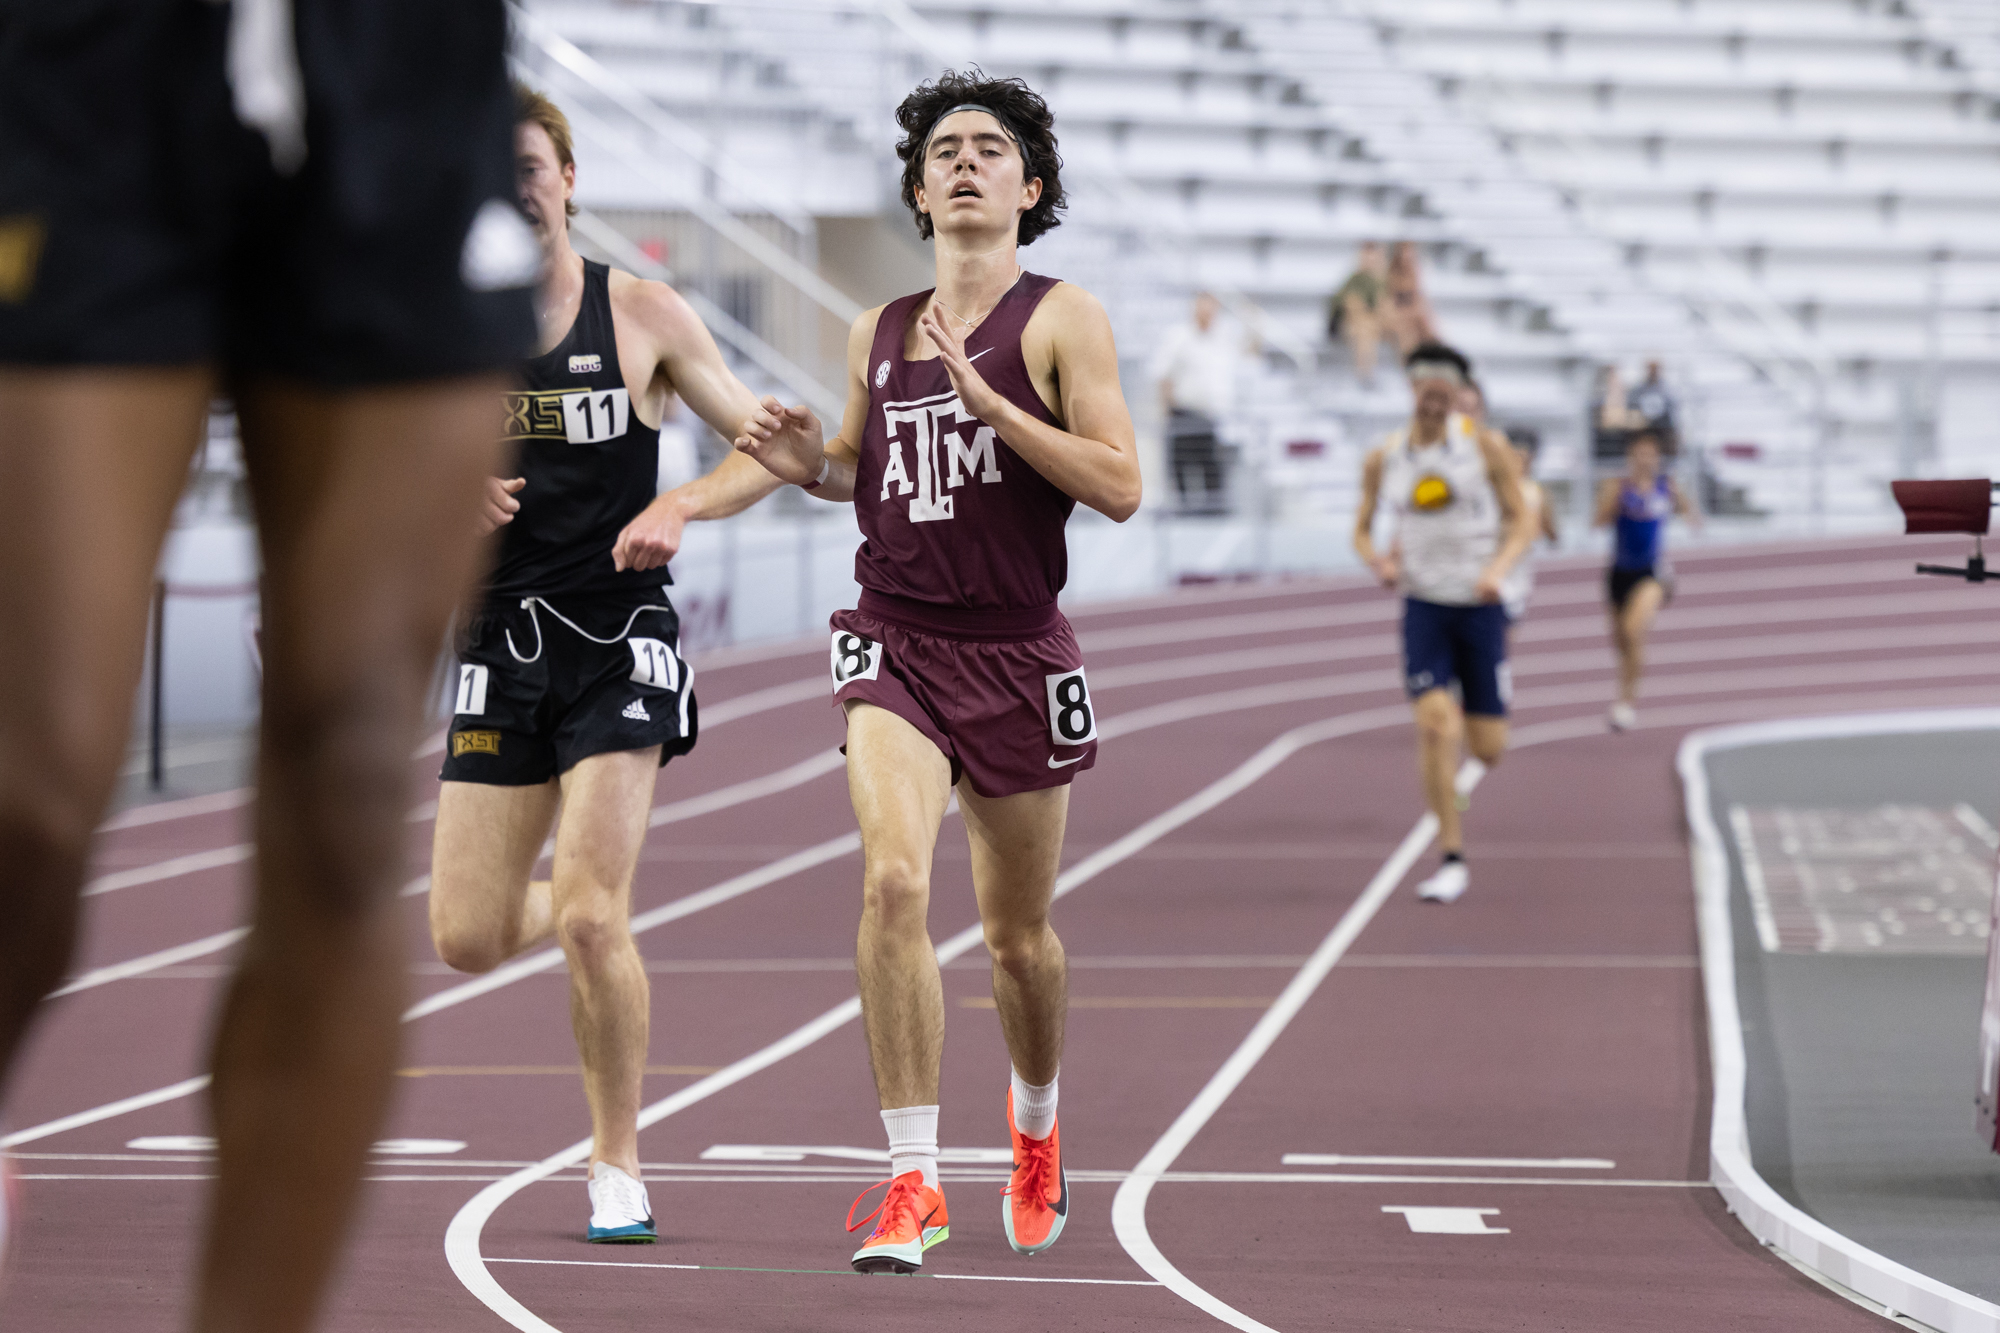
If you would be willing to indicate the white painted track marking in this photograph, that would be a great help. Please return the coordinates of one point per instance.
(133, 967)
(192, 863)
(172, 1092)
(826, 761)
(1446, 1221)
(1545, 1163)
(160, 812)
(1128, 1207)
(830, 1272)
(782, 868)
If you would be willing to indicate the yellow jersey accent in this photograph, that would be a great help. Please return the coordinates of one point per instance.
(21, 239)
(536, 416)
(475, 742)
(1431, 493)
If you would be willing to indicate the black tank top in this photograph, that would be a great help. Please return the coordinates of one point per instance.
(591, 465)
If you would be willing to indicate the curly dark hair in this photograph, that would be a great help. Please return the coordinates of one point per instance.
(1018, 107)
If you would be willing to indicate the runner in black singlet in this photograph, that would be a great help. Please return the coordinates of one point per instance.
(571, 686)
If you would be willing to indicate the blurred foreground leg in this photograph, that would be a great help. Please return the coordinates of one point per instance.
(91, 463)
(366, 504)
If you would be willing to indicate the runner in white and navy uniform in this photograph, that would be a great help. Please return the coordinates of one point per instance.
(571, 689)
(1460, 528)
(1636, 507)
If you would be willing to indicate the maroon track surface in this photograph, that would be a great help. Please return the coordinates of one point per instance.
(1554, 1012)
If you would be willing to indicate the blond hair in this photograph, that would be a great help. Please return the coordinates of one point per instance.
(535, 108)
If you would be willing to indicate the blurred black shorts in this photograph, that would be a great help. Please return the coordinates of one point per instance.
(143, 223)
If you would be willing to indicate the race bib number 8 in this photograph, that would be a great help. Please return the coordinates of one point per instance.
(1072, 721)
(854, 658)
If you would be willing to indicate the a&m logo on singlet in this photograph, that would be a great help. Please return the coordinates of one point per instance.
(1430, 494)
(579, 416)
(947, 446)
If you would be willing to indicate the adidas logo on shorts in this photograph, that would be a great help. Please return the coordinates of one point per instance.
(636, 710)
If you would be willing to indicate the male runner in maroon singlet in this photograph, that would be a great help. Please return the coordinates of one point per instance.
(978, 415)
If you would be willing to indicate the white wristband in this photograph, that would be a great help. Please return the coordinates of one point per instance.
(825, 471)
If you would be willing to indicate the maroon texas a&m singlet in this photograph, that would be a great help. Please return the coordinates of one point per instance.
(952, 519)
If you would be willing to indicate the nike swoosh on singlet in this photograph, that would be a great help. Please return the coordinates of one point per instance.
(1064, 763)
(981, 352)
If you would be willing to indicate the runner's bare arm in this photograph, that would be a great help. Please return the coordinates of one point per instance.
(1094, 462)
(686, 361)
(1504, 471)
(1382, 562)
(788, 440)
(1684, 506)
(1607, 503)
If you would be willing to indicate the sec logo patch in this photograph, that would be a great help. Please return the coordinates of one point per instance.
(1431, 492)
(882, 374)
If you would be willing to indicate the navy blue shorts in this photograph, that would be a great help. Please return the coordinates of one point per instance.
(1467, 644)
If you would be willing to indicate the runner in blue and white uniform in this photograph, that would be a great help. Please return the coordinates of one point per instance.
(1639, 582)
(1460, 527)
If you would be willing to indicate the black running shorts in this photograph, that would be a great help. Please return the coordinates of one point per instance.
(543, 685)
(143, 223)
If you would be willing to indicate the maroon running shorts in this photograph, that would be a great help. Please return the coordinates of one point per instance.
(1011, 715)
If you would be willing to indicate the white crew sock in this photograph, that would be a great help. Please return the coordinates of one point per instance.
(1035, 1108)
(913, 1141)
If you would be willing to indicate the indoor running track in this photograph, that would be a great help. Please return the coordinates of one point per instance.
(1253, 818)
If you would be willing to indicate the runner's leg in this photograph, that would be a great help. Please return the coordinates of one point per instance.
(484, 907)
(605, 801)
(1486, 738)
(1016, 849)
(1440, 729)
(367, 505)
(1634, 622)
(900, 783)
(91, 463)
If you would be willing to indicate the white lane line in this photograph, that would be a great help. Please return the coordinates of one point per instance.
(145, 963)
(826, 761)
(172, 1092)
(1128, 1207)
(192, 863)
(461, 1242)
(828, 1272)
(160, 812)
(1978, 825)
(1547, 1163)
(819, 854)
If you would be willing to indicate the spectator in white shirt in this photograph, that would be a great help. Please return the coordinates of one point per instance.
(1196, 369)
